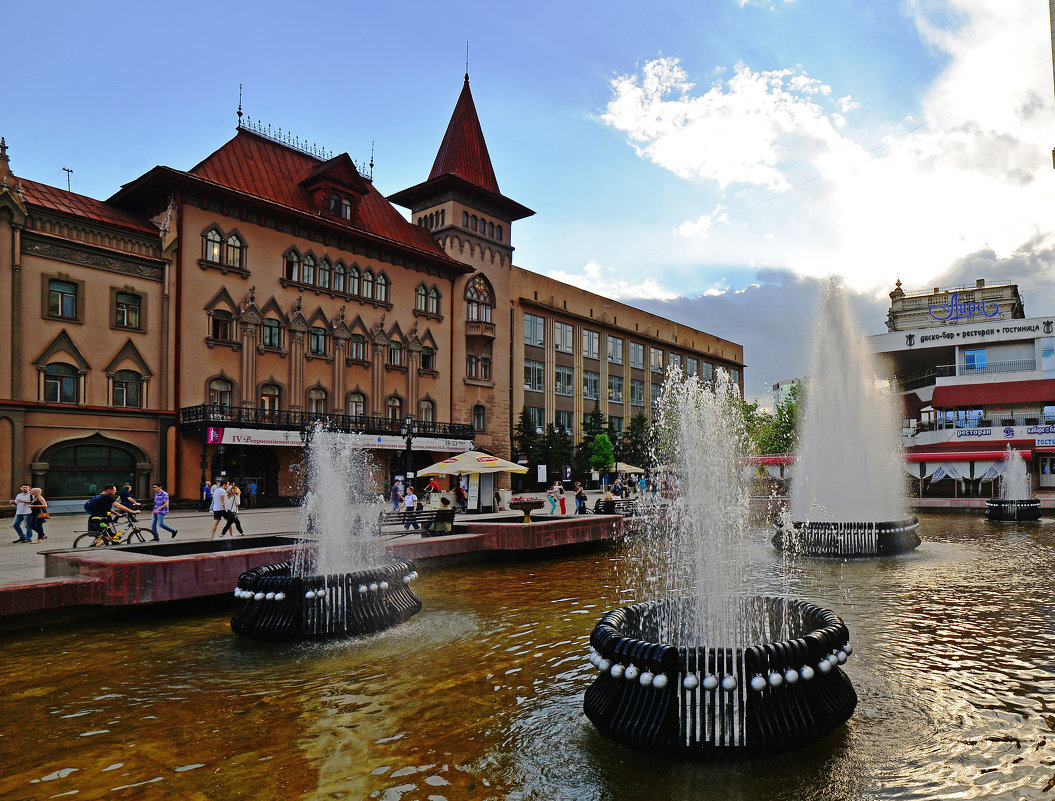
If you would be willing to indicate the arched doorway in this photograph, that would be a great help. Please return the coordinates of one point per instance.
(81, 468)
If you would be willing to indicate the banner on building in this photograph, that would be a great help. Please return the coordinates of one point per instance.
(385, 442)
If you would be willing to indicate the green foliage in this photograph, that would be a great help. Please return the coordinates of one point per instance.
(636, 441)
(772, 432)
(602, 455)
(556, 451)
(525, 437)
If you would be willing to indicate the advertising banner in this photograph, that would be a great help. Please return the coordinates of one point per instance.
(386, 442)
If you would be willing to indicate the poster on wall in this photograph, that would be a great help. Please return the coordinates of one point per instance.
(542, 474)
(474, 491)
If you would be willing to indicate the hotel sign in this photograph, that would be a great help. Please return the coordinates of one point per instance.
(384, 442)
(956, 309)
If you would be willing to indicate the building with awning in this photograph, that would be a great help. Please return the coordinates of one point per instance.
(975, 376)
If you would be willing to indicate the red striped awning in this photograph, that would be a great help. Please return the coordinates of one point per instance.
(992, 394)
(962, 456)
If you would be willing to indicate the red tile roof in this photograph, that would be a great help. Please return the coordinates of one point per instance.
(463, 151)
(99, 211)
(258, 166)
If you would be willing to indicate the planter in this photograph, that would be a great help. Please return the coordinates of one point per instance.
(527, 507)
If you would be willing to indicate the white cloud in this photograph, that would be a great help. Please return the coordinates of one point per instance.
(809, 191)
(604, 281)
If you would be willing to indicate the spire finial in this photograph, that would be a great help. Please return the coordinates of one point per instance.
(371, 159)
(467, 62)
(239, 105)
(3, 149)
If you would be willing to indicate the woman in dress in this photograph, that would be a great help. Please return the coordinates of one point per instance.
(38, 506)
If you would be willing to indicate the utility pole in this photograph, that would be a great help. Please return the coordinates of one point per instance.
(69, 172)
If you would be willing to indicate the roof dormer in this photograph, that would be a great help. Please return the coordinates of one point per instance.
(336, 187)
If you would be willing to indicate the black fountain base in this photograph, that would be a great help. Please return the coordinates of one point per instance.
(1008, 511)
(693, 703)
(282, 607)
(848, 540)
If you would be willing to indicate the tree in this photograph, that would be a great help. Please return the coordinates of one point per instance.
(556, 452)
(593, 424)
(636, 441)
(602, 456)
(526, 442)
(781, 435)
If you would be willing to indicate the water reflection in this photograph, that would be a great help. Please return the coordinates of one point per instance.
(480, 695)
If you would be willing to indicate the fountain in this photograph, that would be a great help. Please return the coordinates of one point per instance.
(339, 583)
(1015, 502)
(704, 669)
(847, 495)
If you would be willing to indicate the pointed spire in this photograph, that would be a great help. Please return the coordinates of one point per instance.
(463, 151)
(239, 106)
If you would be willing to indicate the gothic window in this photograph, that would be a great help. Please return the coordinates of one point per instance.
(60, 383)
(368, 284)
(479, 300)
(382, 288)
(353, 281)
(426, 411)
(325, 271)
(491, 230)
(292, 265)
(394, 409)
(465, 219)
(338, 277)
(317, 401)
(420, 297)
(235, 252)
(269, 398)
(211, 245)
(308, 273)
(434, 301)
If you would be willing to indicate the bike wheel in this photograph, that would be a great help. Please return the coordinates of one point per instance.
(84, 540)
(135, 533)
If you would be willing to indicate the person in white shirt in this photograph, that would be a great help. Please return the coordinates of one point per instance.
(219, 504)
(231, 504)
(23, 514)
(410, 504)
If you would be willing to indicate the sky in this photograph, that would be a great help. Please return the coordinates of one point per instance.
(711, 162)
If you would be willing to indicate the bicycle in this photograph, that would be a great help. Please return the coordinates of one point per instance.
(110, 533)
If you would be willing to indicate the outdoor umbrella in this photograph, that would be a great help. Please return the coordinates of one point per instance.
(623, 467)
(472, 462)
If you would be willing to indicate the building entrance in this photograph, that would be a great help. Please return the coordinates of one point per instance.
(1046, 471)
(245, 464)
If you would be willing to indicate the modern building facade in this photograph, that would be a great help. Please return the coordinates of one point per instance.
(200, 321)
(975, 377)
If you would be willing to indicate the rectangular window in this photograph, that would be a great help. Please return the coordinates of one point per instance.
(485, 369)
(564, 380)
(1047, 354)
(564, 421)
(637, 392)
(657, 390)
(395, 354)
(707, 371)
(534, 376)
(62, 299)
(734, 375)
(675, 359)
(534, 330)
(694, 366)
(591, 344)
(974, 359)
(591, 384)
(472, 367)
(637, 355)
(615, 350)
(563, 337)
(428, 359)
(656, 360)
(615, 388)
(615, 423)
(271, 334)
(222, 325)
(317, 341)
(127, 308)
(537, 417)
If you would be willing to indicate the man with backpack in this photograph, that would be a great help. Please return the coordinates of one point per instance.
(100, 507)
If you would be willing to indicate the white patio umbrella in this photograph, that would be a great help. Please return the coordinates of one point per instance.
(623, 467)
(472, 462)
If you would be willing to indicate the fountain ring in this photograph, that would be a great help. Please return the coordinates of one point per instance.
(701, 703)
(847, 539)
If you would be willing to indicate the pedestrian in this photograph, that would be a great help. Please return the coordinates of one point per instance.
(580, 499)
(39, 507)
(206, 496)
(161, 508)
(22, 514)
(433, 486)
(396, 496)
(219, 501)
(551, 496)
(231, 504)
(560, 498)
(410, 504)
(252, 494)
(461, 499)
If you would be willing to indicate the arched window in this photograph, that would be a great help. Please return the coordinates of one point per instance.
(235, 252)
(335, 205)
(395, 354)
(325, 271)
(338, 277)
(292, 270)
(353, 280)
(211, 244)
(479, 417)
(426, 410)
(128, 385)
(382, 288)
(473, 224)
(317, 341)
(220, 392)
(491, 230)
(498, 232)
(394, 409)
(81, 470)
(269, 398)
(433, 306)
(465, 219)
(443, 216)
(368, 284)
(317, 401)
(346, 208)
(356, 404)
(432, 221)
(479, 301)
(420, 298)
(308, 273)
(357, 347)
(60, 383)
(222, 328)
(271, 333)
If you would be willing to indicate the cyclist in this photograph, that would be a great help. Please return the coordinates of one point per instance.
(101, 506)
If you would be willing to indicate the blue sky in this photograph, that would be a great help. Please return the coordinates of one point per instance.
(712, 161)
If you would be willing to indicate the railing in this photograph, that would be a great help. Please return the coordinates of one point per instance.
(998, 422)
(1008, 366)
(480, 329)
(924, 378)
(216, 415)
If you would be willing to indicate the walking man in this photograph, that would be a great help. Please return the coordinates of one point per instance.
(252, 494)
(23, 514)
(219, 504)
(161, 508)
(397, 496)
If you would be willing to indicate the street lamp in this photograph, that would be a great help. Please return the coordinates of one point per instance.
(408, 430)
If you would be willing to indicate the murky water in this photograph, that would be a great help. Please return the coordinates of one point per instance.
(480, 695)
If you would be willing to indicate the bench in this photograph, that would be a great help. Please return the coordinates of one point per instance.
(627, 507)
(424, 518)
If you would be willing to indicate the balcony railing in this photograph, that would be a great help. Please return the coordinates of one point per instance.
(255, 417)
(1009, 366)
(476, 328)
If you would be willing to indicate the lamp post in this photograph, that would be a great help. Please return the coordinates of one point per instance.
(408, 430)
